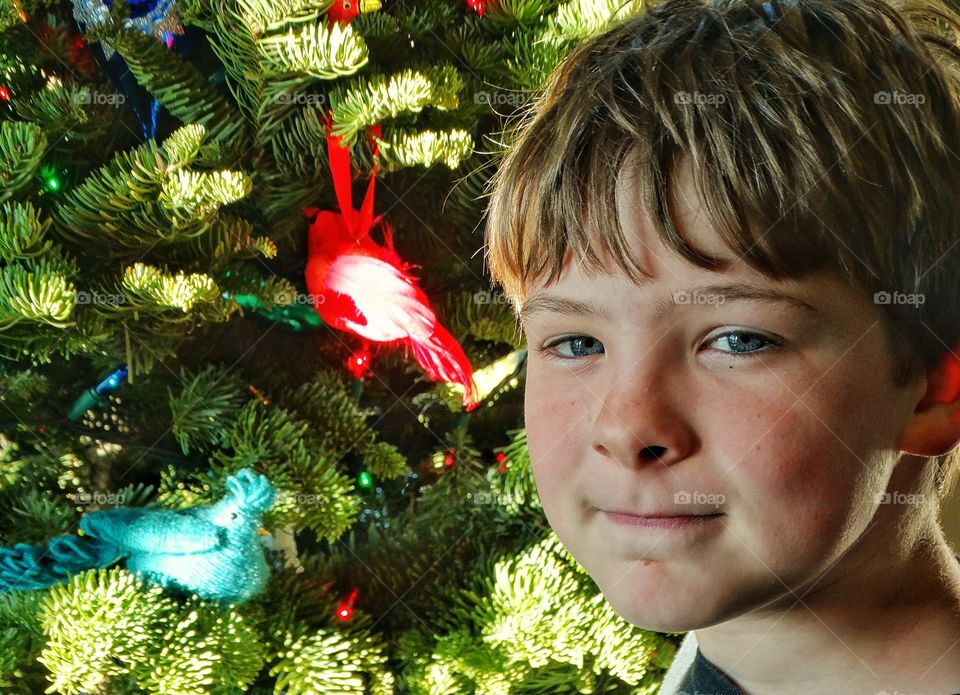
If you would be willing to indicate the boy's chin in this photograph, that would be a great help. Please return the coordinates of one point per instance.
(664, 617)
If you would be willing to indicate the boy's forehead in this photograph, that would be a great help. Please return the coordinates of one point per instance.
(824, 296)
(605, 293)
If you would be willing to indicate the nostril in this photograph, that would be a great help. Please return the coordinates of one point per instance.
(652, 452)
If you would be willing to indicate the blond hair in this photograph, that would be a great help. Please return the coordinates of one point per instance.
(820, 134)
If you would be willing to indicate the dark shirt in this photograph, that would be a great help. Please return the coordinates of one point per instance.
(703, 678)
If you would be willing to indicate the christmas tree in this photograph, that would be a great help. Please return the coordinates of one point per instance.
(261, 416)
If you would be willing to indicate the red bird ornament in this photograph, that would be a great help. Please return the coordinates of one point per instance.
(359, 286)
(345, 11)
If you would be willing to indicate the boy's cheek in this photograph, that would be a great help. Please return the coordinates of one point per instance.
(800, 488)
(553, 444)
(553, 417)
(555, 430)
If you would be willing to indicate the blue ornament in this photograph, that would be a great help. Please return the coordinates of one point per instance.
(157, 17)
(213, 551)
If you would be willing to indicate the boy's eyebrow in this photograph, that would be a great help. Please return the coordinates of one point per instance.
(540, 302)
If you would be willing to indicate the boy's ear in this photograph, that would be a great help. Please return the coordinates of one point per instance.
(935, 427)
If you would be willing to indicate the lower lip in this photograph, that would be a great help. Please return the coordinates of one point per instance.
(675, 523)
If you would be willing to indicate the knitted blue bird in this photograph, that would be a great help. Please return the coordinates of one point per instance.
(212, 551)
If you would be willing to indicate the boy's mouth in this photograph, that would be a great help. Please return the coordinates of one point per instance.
(665, 514)
(663, 519)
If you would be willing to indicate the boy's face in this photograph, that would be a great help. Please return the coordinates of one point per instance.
(791, 444)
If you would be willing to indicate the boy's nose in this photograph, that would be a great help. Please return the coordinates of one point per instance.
(640, 427)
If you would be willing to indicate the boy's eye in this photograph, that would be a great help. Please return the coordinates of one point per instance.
(741, 344)
(578, 343)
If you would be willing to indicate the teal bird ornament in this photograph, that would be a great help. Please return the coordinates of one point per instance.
(212, 551)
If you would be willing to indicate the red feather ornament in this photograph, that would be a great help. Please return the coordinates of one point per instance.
(359, 286)
(345, 11)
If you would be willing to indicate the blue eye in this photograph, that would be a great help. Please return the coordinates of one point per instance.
(581, 345)
(734, 340)
(577, 342)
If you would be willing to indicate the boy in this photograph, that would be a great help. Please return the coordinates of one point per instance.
(730, 231)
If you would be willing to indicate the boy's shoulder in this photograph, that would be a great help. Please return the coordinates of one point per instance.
(691, 673)
(680, 666)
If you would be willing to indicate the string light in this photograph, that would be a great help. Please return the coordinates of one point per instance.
(96, 396)
(345, 609)
(356, 364)
(50, 180)
(256, 392)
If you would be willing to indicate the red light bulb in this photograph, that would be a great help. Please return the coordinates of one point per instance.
(345, 609)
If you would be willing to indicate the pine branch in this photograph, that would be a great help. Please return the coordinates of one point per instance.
(23, 235)
(37, 291)
(70, 111)
(106, 628)
(9, 15)
(312, 49)
(22, 147)
(369, 100)
(407, 148)
(181, 88)
(577, 20)
(348, 662)
(148, 196)
(147, 289)
(312, 492)
(206, 400)
(21, 640)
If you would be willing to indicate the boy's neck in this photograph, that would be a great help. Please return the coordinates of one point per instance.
(872, 622)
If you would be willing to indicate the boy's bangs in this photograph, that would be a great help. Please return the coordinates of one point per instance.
(543, 222)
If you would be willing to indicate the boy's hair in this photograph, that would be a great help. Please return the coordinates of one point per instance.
(821, 134)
